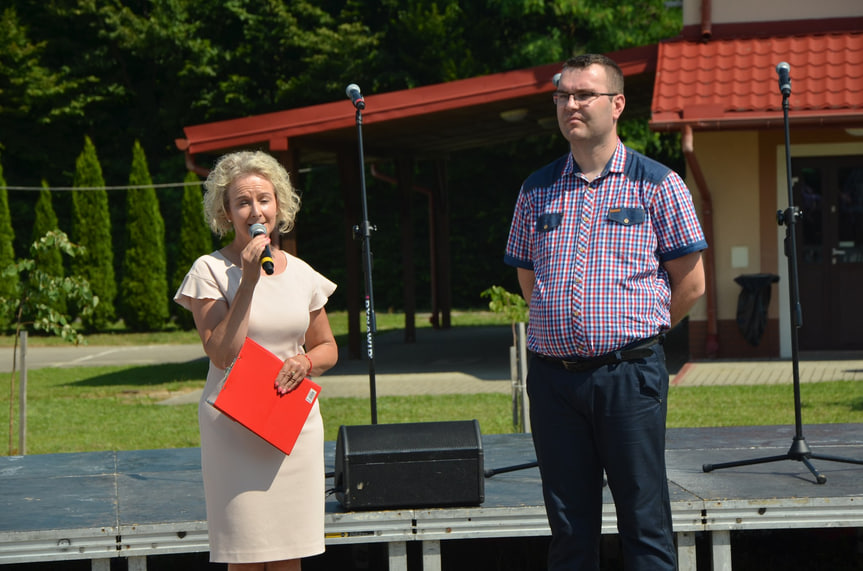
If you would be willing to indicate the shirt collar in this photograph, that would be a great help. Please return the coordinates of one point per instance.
(615, 164)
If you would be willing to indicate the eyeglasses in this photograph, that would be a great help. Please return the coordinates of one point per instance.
(561, 98)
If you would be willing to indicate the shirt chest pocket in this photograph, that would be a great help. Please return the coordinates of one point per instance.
(626, 216)
(548, 221)
(626, 235)
(548, 235)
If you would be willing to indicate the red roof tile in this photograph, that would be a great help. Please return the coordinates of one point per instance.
(733, 82)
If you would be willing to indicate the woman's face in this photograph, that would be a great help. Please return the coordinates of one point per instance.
(251, 200)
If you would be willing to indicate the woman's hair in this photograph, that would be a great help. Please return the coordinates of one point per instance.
(233, 166)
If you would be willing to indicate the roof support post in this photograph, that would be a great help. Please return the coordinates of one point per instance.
(349, 175)
(290, 160)
(441, 265)
(404, 177)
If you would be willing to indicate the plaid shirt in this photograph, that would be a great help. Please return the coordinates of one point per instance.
(596, 249)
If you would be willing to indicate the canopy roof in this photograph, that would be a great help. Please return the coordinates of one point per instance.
(428, 121)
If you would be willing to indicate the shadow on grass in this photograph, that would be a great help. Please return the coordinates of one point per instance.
(148, 375)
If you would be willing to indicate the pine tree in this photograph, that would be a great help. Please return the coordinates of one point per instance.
(8, 283)
(195, 237)
(45, 220)
(91, 228)
(50, 260)
(144, 286)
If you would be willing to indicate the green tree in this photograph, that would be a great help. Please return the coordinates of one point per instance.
(127, 70)
(143, 287)
(49, 260)
(8, 283)
(42, 100)
(196, 238)
(91, 228)
(35, 299)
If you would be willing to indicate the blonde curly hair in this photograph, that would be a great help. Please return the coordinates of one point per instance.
(233, 166)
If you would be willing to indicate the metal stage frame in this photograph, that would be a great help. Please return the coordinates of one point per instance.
(105, 505)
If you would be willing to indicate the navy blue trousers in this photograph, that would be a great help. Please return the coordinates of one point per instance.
(611, 419)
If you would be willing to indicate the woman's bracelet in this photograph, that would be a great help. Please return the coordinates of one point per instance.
(309, 359)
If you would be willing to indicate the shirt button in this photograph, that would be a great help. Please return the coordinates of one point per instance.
(581, 248)
(585, 219)
(626, 220)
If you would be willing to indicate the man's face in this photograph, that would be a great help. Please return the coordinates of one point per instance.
(585, 116)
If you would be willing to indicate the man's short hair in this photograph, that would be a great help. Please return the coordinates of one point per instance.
(615, 75)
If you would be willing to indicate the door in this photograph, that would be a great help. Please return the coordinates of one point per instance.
(829, 193)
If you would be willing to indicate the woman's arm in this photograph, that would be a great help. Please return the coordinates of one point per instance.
(321, 354)
(222, 327)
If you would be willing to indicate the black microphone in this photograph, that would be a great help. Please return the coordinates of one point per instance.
(784, 71)
(267, 256)
(353, 92)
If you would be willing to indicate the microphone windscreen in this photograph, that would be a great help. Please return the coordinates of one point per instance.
(257, 229)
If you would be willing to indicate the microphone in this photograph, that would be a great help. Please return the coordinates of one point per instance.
(353, 92)
(784, 71)
(267, 256)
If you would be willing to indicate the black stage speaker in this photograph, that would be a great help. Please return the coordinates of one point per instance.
(409, 465)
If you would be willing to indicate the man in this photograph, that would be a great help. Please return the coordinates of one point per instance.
(607, 247)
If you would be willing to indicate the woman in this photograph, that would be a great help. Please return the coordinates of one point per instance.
(265, 510)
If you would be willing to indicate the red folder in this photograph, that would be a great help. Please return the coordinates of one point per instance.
(248, 395)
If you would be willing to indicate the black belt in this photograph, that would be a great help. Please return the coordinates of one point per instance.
(640, 350)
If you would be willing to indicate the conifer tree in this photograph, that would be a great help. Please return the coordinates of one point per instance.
(8, 283)
(195, 237)
(50, 260)
(143, 300)
(91, 229)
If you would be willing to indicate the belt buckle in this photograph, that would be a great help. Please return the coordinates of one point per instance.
(581, 365)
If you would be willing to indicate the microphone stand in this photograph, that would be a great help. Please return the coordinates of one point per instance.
(799, 450)
(363, 232)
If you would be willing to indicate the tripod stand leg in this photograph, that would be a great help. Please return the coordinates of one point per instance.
(836, 459)
(819, 477)
(492, 471)
(711, 467)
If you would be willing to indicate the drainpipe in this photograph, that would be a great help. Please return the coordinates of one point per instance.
(183, 145)
(711, 345)
(198, 170)
(706, 20)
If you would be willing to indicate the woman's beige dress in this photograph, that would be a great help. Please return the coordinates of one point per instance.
(261, 504)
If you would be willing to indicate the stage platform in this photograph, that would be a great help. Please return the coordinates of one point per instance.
(105, 505)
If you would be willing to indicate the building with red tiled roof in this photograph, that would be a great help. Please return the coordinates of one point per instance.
(731, 83)
(717, 85)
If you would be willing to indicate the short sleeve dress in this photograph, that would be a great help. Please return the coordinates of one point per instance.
(262, 505)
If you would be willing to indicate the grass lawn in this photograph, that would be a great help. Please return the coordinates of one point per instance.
(116, 408)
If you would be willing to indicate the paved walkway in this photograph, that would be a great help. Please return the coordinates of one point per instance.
(462, 360)
(772, 372)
